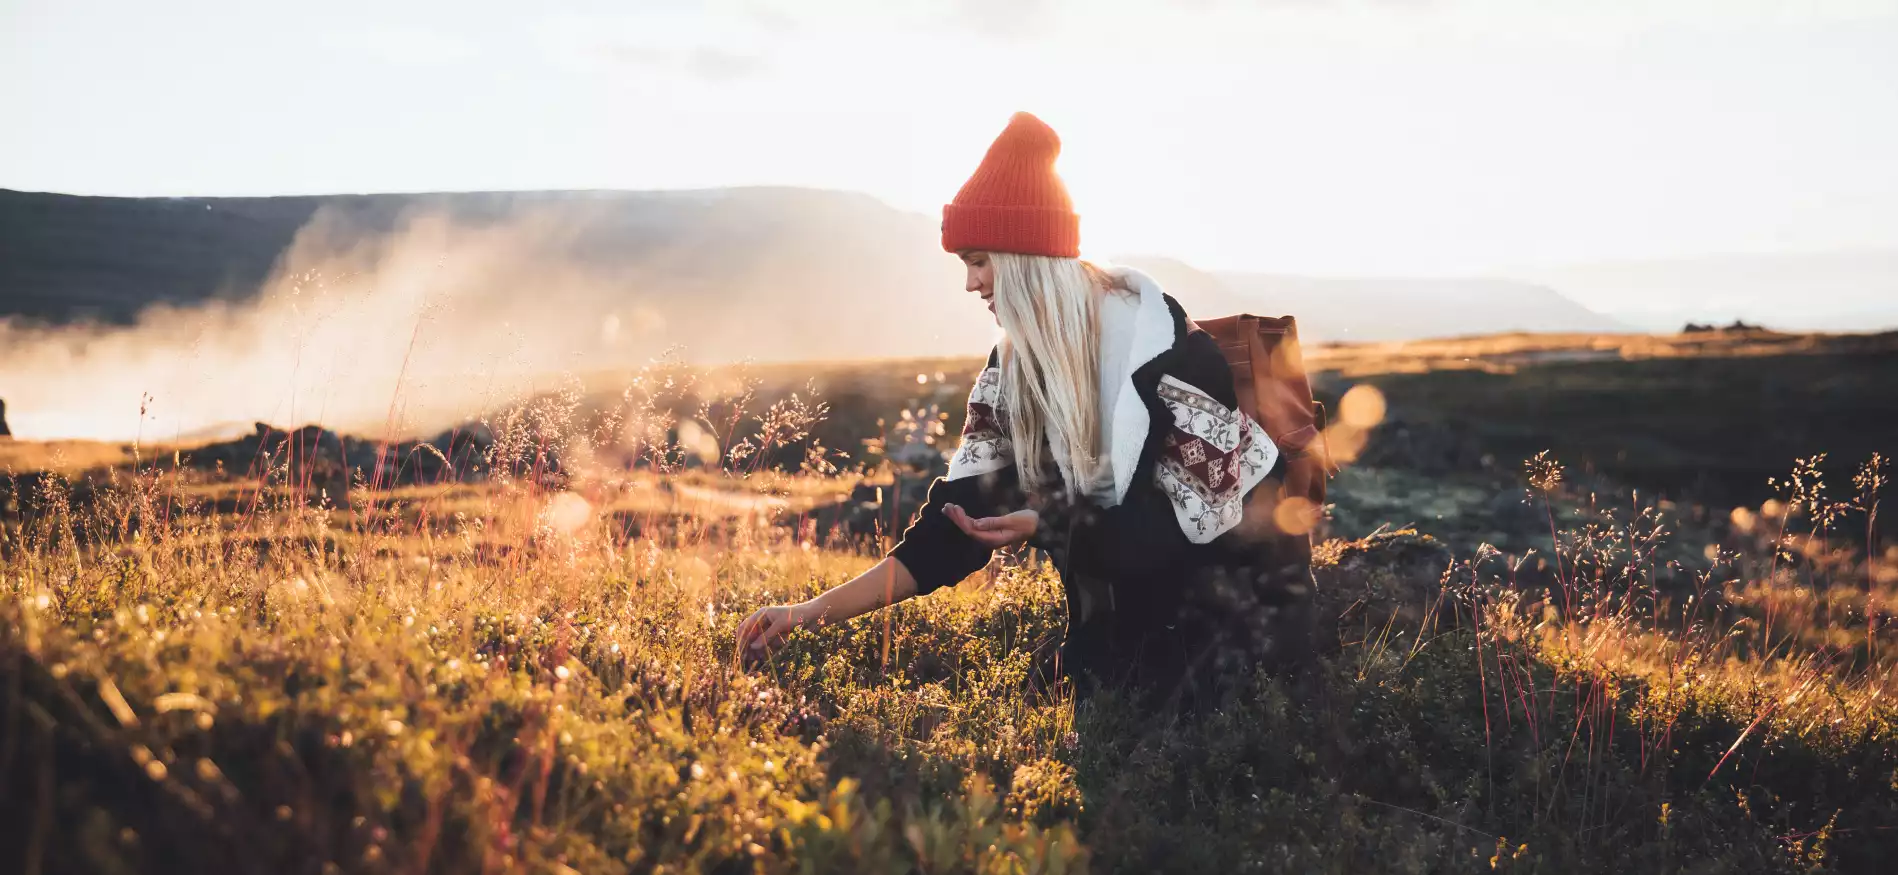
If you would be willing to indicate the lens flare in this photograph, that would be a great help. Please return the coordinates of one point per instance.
(1362, 407)
(1295, 515)
(567, 513)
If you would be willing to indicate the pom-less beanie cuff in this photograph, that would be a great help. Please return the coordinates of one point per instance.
(1029, 230)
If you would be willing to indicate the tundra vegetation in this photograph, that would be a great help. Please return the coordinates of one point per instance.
(511, 649)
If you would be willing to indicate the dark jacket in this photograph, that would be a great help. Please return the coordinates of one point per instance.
(1181, 581)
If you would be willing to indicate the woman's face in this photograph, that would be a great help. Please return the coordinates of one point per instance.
(981, 276)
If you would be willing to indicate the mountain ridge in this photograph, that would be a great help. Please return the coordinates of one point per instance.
(1838, 289)
(1337, 309)
(88, 258)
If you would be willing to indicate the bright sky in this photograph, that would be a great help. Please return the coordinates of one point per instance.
(1374, 136)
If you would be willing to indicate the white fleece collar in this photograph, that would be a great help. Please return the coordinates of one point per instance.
(1153, 335)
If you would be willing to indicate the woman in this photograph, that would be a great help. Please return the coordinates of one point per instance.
(1104, 430)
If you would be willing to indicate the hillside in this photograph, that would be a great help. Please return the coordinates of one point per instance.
(1849, 290)
(1382, 308)
(796, 260)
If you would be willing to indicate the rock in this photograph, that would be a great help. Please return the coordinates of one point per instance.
(320, 458)
(1362, 583)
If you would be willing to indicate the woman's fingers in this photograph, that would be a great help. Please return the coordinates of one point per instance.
(991, 531)
(962, 519)
(754, 631)
(969, 523)
(745, 629)
(977, 528)
(773, 623)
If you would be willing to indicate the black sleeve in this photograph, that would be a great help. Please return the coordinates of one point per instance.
(1141, 536)
(938, 553)
(935, 551)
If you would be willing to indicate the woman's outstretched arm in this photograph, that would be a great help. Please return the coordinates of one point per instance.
(886, 583)
(950, 537)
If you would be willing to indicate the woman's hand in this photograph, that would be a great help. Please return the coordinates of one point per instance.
(886, 583)
(995, 531)
(768, 624)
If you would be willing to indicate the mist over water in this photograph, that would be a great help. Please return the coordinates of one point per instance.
(386, 334)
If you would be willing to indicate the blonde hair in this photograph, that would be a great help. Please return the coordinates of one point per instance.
(1049, 309)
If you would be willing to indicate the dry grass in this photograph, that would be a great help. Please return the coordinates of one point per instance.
(62, 457)
(1504, 353)
(532, 674)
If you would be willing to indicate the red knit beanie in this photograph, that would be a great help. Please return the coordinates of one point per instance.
(1015, 202)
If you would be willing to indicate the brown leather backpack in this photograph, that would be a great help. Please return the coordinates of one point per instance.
(1268, 375)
